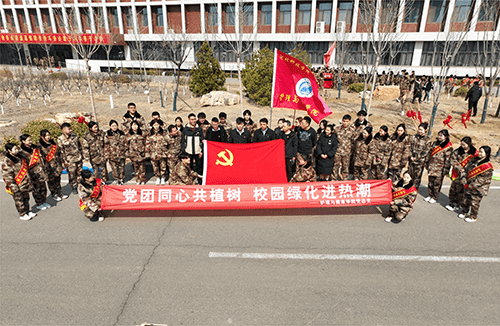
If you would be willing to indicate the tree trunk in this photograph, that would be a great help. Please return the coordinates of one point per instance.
(435, 107)
(238, 62)
(109, 66)
(485, 108)
(94, 114)
(374, 80)
(340, 83)
(177, 79)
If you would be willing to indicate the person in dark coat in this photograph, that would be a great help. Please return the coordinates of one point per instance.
(291, 145)
(216, 132)
(325, 151)
(307, 138)
(473, 95)
(240, 135)
(264, 133)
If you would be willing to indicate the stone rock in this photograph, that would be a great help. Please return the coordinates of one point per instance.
(219, 98)
(386, 92)
(65, 117)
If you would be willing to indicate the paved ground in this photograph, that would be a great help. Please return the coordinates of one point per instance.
(61, 269)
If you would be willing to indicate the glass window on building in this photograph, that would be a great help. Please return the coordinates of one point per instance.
(366, 13)
(127, 12)
(345, 12)
(113, 21)
(247, 14)
(158, 16)
(23, 17)
(285, 14)
(266, 14)
(413, 11)
(304, 14)
(229, 15)
(143, 17)
(461, 11)
(213, 16)
(488, 12)
(86, 17)
(325, 12)
(32, 13)
(437, 9)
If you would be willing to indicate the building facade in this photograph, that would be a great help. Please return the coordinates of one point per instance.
(316, 25)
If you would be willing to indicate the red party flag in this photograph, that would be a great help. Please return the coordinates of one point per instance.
(328, 55)
(227, 163)
(295, 87)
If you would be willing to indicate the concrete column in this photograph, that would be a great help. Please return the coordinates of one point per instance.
(355, 12)
(293, 18)
(165, 20)
(134, 18)
(183, 18)
(150, 18)
(52, 17)
(76, 12)
(39, 17)
(219, 20)
(3, 18)
(120, 17)
(274, 23)
(105, 18)
(378, 13)
(401, 15)
(425, 13)
(417, 54)
(333, 23)
(16, 21)
(312, 26)
(451, 7)
(28, 20)
(475, 15)
(203, 21)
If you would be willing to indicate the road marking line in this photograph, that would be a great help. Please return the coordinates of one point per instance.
(354, 257)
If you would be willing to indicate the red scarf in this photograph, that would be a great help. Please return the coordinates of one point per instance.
(95, 193)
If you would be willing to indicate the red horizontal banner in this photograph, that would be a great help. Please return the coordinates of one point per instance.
(248, 196)
(55, 38)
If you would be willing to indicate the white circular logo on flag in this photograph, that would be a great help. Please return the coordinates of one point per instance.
(303, 88)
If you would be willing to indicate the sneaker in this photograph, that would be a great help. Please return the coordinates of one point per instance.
(427, 198)
(470, 219)
(42, 207)
(137, 183)
(56, 198)
(31, 214)
(47, 205)
(101, 218)
(157, 181)
(143, 183)
(461, 215)
(432, 201)
(74, 191)
(451, 208)
(162, 181)
(388, 219)
(64, 196)
(25, 217)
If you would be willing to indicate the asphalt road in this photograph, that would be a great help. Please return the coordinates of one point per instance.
(136, 267)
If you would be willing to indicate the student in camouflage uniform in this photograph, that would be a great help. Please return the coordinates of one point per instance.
(249, 124)
(182, 173)
(404, 195)
(71, 154)
(36, 171)
(382, 153)
(223, 123)
(174, 141)
(477, 184)
(420, 147)
(156, 150)
(438, 164)
(361, 123)
(179, 124)
(345, 135)
(459, 159)
(203, 123)
(114, 151)
(304, 171)
(93, 150)
(51, 154)
(90, 193)
(383, 79)
(132, 115)
(364, 151)
(400, 153)
(136, 151)
(20, 188)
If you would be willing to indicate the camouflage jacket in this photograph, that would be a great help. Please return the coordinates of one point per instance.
(228, 127)
(363, 153)
(480, 182)
(115, 145)
(439, 164)
(127, 120)
(420, 147)
(359, 127)
(345, 136)
(404, 203)
(156, 146)
(304, 173)
(182, 175)
(382, 150)
(383, 79)
(204, 127)
(174, 145)
(136, 147)
(71, 149)
(93, 147)
(85, 192)
(37, 171)
(251, 127)
(10, 169)
(400, 153)
(456, 159)
(55, 165)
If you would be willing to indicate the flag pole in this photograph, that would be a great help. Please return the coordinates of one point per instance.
(272, 90)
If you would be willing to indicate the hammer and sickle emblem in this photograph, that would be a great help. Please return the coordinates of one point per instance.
(227, 161)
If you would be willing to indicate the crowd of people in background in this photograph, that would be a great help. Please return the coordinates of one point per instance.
(353, 150)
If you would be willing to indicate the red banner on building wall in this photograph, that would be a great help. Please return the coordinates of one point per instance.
(248, 196)
(57, 38)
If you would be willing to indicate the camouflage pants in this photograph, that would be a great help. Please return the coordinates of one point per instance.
(435, 184)
(74, 170)
(290, 168)
(140, 171)
(118, 169)
(22, 202)
(39, 191)
(457, 192)
(416, 172)
(159, 167)
(341, 167)
(54, 184)
(90, 213)
(471, 202)
(171, 162)
(103, 170)
(399, 212)
(361, 172)
(394, 174)
(378, 172)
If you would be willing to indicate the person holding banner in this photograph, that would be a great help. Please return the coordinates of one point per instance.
(291, 145)
(51, 154)
(114, 150)
(307, 138)
(459, 160)
(264, 133)
(174, 140)
(192, 144)
(382, 144)
(305, 171)
(400, 153)
(89, 191)
(17, 180)
(36, 171)
(438, 164)
(404, 195)
(182, 173)
(240, 135)
(136, 151)
(479, 173)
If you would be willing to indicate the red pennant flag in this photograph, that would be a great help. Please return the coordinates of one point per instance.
(244, 163)
(328, 55)
(295, 87)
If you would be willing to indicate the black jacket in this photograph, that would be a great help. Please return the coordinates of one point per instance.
(192, 140)
(219, 135)
(307, 140)
(291, 144)
(474, 94)
(259, 136)
(236, 138)
(428, 86)
(326, 145)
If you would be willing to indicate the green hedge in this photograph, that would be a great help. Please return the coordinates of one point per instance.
(357, 87)
(461, 91)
